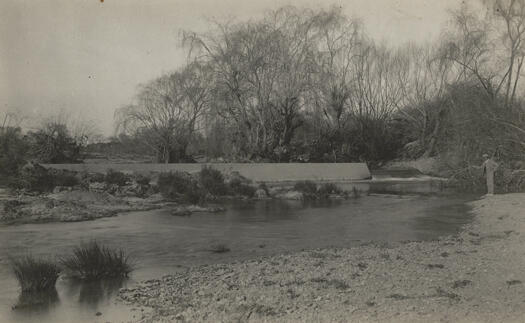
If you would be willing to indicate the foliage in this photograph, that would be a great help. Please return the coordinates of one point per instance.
(212, 181)
(13, 151)
(238, 187)
(195, 194)
(307, 187)
(167, 111)
(34, 177)
(142, 179)
(35, 274)
(93, 261)
(327, 189)
(54, 144)
(174, 183)
(64, 178)
(116, 177)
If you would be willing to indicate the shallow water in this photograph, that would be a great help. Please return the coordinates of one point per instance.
(162, 243)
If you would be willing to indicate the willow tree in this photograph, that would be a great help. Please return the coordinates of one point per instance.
(167, 112)
(262, 71)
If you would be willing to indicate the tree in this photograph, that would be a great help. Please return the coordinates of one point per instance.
(13, 151)
(167, 111)
(54, 144)
(262, 71)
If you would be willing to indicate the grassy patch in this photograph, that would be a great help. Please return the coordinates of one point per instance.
(34, 274)
(94, 261)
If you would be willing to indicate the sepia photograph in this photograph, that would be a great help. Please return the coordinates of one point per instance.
(262, 161)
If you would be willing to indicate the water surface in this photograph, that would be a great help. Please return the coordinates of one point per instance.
(162, 243)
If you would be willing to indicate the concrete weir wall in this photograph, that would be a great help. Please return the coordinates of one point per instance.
(265, 172)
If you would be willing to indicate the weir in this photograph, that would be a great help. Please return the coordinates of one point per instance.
(258, 172)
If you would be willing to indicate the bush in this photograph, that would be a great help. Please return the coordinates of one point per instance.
(142, 180)
(116, 177)
(93, 177)
(54, 144)
(35, 274)
(13, 152)
(212, 181)
(194, 194)
(65, 179)
(172, 184)
(306, 187)
(237, 187)
(327, 189)
(34, 177)
(264, 187)
(94, 261)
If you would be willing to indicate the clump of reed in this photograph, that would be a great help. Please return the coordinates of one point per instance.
(35, 275)
(91, 261)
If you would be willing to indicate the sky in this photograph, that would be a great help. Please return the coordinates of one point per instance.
(84, 59)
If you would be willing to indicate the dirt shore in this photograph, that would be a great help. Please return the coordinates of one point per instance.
(477, 276)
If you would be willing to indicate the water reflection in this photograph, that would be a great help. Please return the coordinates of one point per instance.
(92, 293)
(41, 301)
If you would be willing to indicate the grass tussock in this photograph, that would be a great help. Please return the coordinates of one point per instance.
(95, 261)
(34, 274)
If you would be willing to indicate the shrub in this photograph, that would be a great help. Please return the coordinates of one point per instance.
(94, 261)
(34, 177)
(142, 179)
(172, 184)
(264, 187)
(327, 189)
(116, 177)
(308, 188)
(65, 179)
(35, 274)
(212, 181)
(237, 187)
(93, 177)
(13, 151)
(54, 144)
(194, 194)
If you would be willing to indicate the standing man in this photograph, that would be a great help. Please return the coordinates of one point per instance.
(489, 167)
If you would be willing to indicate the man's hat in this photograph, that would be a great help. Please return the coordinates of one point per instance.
(485, 155)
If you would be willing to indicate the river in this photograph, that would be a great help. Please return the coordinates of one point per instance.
(161, 243)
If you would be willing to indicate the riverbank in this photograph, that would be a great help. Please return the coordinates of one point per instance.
(91, 196)
(475, 276)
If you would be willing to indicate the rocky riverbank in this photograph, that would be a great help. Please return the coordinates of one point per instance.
(70, 206)
(476, 276)
(89, 196)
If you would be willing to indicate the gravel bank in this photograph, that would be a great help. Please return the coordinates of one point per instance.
(476, 276)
